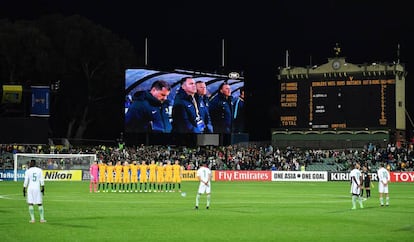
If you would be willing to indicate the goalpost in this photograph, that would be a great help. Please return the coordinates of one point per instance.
(52, 162)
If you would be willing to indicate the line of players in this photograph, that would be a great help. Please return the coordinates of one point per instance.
(125, 177)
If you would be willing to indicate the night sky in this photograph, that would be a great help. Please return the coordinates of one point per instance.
(256, 36)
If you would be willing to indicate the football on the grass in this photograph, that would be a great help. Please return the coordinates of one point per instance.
(183, 194)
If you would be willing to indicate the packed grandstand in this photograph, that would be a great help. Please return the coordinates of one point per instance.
(232, 157)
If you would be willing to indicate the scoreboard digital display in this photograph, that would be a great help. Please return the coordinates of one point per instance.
(342, 103)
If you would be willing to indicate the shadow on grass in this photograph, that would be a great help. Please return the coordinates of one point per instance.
(76, 222)
(407, 227)
(351, 210)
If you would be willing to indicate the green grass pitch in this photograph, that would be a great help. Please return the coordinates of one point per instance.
(240, 211)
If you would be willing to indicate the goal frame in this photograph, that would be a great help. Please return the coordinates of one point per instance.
(47, 156)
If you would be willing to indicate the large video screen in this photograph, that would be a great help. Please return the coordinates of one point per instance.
(145, 113)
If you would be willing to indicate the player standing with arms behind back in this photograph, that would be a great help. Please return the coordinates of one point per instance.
(102, 176)
(383, 179)
(35, 184)
(204, 176)
(177, 175)
(356, 184)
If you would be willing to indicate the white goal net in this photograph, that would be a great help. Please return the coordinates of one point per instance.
(52, 162)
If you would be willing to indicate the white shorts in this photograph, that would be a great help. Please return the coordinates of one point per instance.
(34, 196)
(203, 188)
(382, 188)
(355, 189)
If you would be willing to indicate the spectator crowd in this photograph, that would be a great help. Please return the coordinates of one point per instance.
(233, 157)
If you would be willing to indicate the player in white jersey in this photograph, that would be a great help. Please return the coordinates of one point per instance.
(34, 186)
(356, 184)
(204, 176)
(383, 180)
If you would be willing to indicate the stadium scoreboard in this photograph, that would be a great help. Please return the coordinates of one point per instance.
(337, 103)
(342, 95)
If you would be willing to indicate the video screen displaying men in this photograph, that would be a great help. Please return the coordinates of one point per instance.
(180, 102)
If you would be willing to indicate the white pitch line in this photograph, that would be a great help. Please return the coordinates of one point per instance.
(4, 197)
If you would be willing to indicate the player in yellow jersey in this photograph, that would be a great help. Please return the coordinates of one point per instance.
(152, 167)
(143, 178)
(118, 175)
(177, 175)
(134, 175)
(102, 176)
(160, 176)
(168, 176)
(110, 176)
(126, 177)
